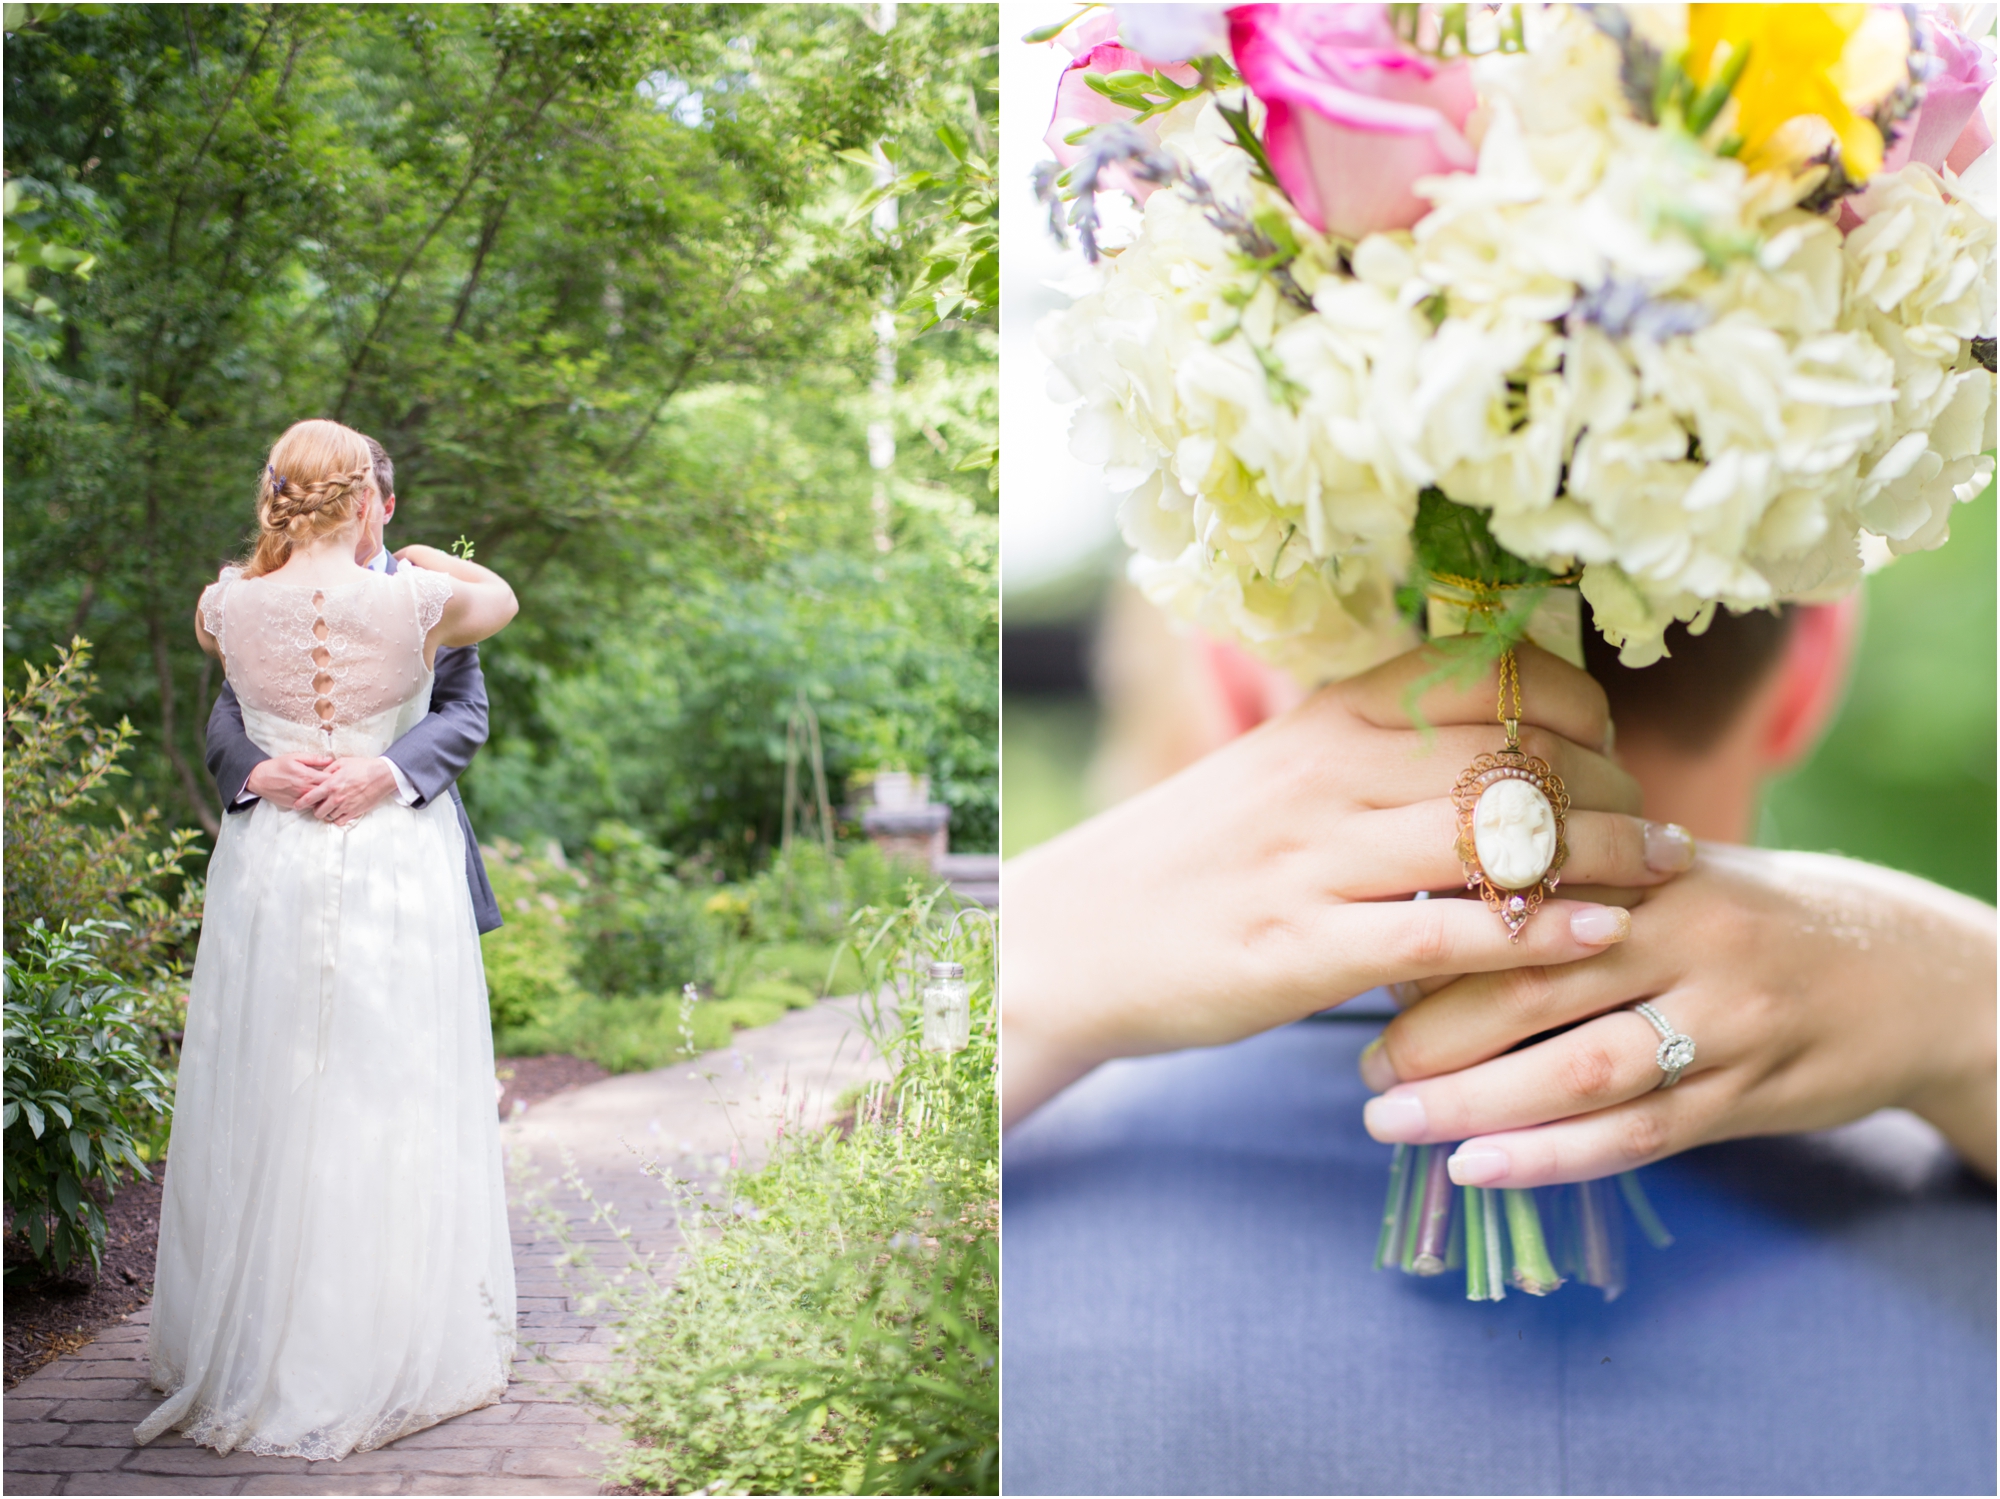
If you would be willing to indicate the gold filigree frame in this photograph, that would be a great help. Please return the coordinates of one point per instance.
(1514, 907)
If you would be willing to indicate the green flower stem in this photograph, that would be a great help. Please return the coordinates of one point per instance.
(1496, 1245)
(1433, 1246)
(1649, 1221)
(1388, 1243)
(1476, 1285)
(1533, 1271)
(1419, 1170)
(1601, 1263)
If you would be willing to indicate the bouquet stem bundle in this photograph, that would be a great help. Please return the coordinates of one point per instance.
(1530, 1238)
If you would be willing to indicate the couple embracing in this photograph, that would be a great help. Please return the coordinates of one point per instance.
(335, 1268)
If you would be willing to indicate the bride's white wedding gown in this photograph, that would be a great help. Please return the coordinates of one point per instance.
(334, 1264)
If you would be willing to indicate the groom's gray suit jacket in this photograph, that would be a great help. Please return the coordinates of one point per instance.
(433, 754)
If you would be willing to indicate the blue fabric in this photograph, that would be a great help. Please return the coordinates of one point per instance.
(1189, 1309)
(433, 754)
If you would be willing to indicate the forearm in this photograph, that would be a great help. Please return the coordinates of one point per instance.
(1956, 941)
(464, 569)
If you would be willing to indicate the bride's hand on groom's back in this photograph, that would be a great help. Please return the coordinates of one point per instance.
(1816, 990)
(1272, 878)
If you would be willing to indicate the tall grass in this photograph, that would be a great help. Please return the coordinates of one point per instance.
(832, 1325)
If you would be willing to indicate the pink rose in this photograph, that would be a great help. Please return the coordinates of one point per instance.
(1947, 129)
(1094, 42)
(1354, 116)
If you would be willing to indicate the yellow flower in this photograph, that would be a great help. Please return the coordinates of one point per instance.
(1811, 68)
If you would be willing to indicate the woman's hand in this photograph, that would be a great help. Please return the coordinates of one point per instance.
(1816, 990)
(1272, 879)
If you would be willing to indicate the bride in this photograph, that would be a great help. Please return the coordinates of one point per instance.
(334, 1263)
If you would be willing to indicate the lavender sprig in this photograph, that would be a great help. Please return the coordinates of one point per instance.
(1622, 308)
(1119, 143)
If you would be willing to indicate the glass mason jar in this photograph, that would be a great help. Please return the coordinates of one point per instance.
(947, 1009)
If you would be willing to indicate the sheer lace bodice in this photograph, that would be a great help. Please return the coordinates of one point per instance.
(335, 670)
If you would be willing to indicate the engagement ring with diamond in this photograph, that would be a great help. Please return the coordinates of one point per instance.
(1675, 1053)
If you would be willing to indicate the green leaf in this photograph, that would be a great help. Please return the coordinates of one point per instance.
(35, 1121)
(1454, 540)
(67, 1193)
(79, 1145)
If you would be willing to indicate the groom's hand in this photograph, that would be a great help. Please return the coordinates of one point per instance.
(353, 788)
(283, 779)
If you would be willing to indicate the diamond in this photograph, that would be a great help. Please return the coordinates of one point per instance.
(1675, 1053)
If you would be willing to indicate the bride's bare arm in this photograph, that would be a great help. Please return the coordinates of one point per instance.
(1817, 990)
(481, 601)
(1271, 879)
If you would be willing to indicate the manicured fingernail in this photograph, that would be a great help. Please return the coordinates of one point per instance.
(1669, 847)
(1600, 926)
(1406, 993)
(1375, 1068)
(1478, 1165)
(1610, 736)
(1395, 1116)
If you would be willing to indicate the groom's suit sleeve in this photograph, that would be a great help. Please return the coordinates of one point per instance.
(433, 754)
(230, 754)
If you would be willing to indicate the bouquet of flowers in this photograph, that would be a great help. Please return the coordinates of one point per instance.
(1429, 312)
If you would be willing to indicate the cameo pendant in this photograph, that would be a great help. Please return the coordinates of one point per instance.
(1511, 811)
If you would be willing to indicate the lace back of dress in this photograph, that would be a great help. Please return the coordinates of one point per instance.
(333, 663)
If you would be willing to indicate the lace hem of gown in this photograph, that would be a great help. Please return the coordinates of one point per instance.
(226, 1432)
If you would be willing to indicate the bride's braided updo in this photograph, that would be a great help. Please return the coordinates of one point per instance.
(316, 480)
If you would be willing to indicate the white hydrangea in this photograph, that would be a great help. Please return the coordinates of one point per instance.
(1638, 358)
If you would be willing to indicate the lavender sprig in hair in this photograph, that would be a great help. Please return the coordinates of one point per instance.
(1118, 144)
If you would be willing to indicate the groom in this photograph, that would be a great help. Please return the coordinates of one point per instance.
(424, 763)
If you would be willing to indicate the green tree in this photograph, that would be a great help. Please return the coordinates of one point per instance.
(521, 245)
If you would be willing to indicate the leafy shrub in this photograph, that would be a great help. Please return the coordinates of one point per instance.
(61, 867)
(531, 959)
(81, 1074)
(835, 1330)
(565, 972)
(641, 931)
(802, 895)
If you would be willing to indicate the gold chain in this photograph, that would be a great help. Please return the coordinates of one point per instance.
(1510, 676)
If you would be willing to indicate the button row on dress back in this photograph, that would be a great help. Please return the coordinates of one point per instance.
(323, 659)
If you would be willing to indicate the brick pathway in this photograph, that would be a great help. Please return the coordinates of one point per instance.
(69, 1425)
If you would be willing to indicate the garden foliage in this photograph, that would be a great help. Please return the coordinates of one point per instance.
(596, 953)
(97, 909)
(69, 858)
(586, 271)
(82, 1076)
(834, 1328)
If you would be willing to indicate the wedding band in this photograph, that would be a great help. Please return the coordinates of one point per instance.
(1675, 1053)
